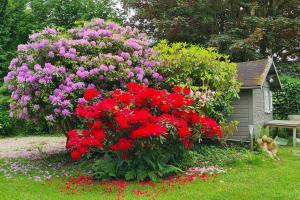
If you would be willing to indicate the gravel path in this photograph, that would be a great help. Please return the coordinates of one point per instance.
(31, 146)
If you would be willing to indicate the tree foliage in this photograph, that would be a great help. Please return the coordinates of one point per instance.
(291, 69)
(245, 30)
(66, 12)
(14, 28)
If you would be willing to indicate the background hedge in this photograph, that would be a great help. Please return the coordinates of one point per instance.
(287, 101)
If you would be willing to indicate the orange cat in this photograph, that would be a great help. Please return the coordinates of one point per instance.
(268, 145)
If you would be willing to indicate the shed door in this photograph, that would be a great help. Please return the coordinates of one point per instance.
(241, 113)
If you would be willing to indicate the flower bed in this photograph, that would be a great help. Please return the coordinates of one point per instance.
(143, 132)
(138, 131)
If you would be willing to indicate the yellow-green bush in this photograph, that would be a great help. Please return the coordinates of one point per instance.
(202, 69)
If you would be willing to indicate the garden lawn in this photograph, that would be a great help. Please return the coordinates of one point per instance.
(255, 177)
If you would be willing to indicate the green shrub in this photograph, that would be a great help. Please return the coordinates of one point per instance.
(5, 121)
(11, 126)
(148, 165)
(287, 101)
(5, 124)
(204, 70)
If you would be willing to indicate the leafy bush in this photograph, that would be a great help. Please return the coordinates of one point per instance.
(5, 121)
(205, 71)
(11, 126)
(144, 132)
(5, 125)
(52, 70)
(287, 101)
(228, 129)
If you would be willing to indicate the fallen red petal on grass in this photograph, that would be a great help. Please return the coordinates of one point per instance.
(147, 183)
(203, 177)
(82, 183)
(140, 192)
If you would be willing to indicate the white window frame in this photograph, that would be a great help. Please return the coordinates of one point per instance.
(268, 100)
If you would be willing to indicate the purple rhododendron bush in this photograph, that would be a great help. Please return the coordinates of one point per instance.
(50, 73)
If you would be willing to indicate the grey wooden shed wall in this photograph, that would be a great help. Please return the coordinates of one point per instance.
(260, 117)
(250, 108)
(242, 112)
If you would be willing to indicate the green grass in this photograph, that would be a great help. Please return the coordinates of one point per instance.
(254, 177)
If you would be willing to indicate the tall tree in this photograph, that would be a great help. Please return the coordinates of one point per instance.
(13, 29)
(267, 27)
(191, 21)
(241, 28)
(65, 12)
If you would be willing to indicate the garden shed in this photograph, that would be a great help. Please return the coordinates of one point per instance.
(259, 79)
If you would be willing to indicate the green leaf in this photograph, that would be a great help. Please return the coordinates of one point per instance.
(130, 175)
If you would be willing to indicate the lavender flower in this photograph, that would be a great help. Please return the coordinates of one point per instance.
(130, 74)
(82, 101)
(146, 81)
(83, 58)
(155, 75)
(133, 43)
(51, 54)
(93, 43)
(160, 78)
(94, 71)
(125, 55)
(37, 67)
(62, 70)
(119, 59)
(62, 51)
(111, 67)
(57, 110)
(36, 107)
(49, 68)
(102, 44)
(50, 118)
(103, 68)
(72, 50)
(129, 62)
(37, 178)
(65, 112)
(140, 77)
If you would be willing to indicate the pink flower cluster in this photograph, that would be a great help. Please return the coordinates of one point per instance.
(51, 71)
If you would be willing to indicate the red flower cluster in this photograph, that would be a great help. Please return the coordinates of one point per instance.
(137, 118)
(91, 93)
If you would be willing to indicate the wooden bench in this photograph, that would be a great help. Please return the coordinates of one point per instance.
(285, 124)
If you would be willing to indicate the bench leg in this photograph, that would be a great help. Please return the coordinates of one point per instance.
(294, 137)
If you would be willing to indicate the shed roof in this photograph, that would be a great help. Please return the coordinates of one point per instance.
(253, 74)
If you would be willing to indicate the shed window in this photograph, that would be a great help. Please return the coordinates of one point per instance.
(268, 101)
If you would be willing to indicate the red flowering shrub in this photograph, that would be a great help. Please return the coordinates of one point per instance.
(91, 93)
(139, 123)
